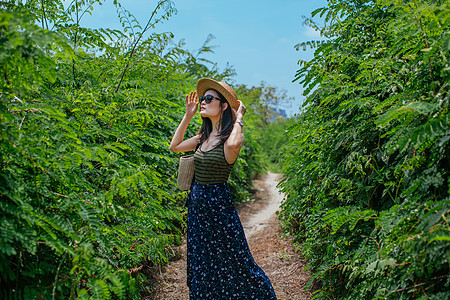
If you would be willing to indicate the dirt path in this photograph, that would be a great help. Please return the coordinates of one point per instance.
(275, 255)
(262, 218)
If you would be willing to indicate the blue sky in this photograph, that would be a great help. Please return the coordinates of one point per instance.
(256, 37)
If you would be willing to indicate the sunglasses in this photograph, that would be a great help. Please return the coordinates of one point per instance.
(208, 99)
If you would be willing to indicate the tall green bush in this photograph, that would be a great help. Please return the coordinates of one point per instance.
(367, 171)
(265, 126)
(274, 138)
(87, 182)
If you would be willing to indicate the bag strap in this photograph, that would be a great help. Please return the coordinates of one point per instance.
(193, 177)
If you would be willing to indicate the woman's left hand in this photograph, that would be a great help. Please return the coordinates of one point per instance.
(240, 111)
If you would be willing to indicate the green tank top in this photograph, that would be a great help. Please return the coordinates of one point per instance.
(211, 167)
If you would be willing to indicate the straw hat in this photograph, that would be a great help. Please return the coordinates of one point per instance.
(205, 84)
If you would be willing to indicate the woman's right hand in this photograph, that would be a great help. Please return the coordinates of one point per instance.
(177, 144)
(191, 104)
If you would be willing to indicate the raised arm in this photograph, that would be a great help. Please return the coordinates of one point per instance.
(236, 139)
(178, 144)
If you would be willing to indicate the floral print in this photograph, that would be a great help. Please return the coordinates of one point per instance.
(220, 265)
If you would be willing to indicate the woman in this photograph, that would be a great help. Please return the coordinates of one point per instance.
(220, 265)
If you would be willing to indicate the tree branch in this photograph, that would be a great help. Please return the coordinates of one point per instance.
(418, 285)
(43, 15)
(147, 27)
(75, 42)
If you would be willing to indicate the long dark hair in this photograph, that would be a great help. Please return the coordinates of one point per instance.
(225, 123)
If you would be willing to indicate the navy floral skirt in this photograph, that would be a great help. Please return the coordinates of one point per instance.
(219, 262)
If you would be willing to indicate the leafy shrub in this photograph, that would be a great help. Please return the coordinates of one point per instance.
(274, 138)
(366, 173)
(264, 125)
(87, 181)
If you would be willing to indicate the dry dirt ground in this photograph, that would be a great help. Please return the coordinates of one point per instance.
(274, 254)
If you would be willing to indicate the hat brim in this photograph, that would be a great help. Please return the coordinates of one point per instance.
(205, 84)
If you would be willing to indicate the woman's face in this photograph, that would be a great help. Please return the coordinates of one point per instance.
(212, 109)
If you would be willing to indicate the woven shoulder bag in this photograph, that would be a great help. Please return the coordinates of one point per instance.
(185, 172)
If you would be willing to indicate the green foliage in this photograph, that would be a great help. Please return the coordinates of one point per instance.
(264, 126)
(366, 172)
(87, 181)
(274, 137)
